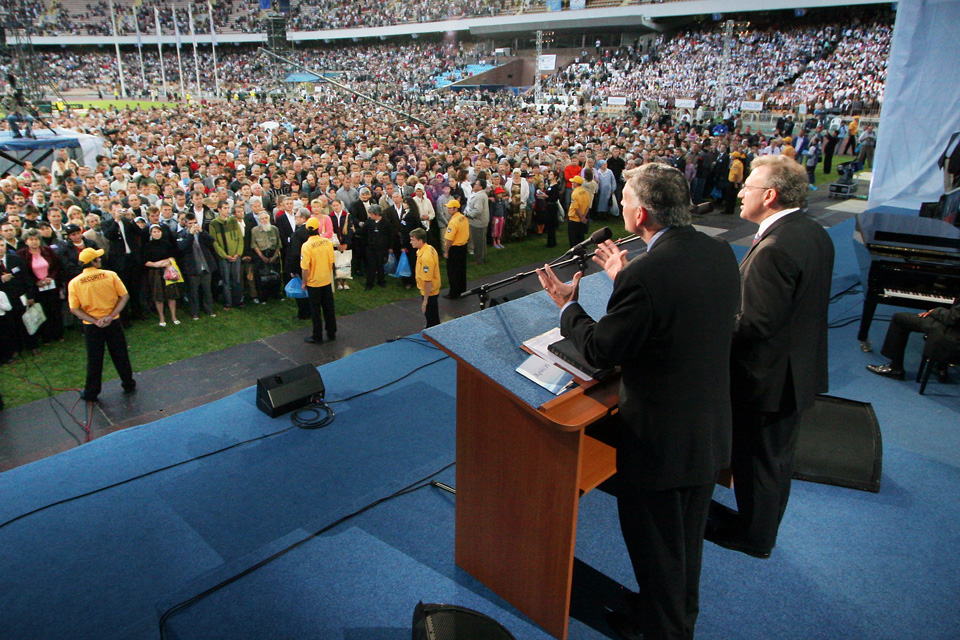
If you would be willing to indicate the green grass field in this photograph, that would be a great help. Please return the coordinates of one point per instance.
(62, 365)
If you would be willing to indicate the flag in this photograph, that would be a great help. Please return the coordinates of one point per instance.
(136, 24)
(213, 37)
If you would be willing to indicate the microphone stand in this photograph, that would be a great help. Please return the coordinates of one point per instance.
(579, 258)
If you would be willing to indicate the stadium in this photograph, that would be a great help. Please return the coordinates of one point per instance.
(180, 510)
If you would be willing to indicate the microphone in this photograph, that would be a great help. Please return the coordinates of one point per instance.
(599, 236)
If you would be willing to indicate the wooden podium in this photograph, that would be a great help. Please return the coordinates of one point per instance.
(521, 470)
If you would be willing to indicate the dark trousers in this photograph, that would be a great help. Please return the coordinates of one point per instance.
(828, 149)
(113, 338)
(762, 463)
(577, 231)
(432, 314)
(131, 274)
(52, 328)
(550, 224)
(199, 290)
(374, 266)
(321, 308)
(730, 192)
(901, 326)
(663, 531)
(457, 270)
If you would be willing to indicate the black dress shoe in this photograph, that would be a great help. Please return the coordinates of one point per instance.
(886, 370)
(623, 625)
(449, 296)
(88, 397)
(131, 389)
(734, 543)
(312, 340)
(331, 336)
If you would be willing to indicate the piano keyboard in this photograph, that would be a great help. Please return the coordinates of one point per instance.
(925, 297)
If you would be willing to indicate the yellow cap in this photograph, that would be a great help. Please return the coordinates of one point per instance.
(451, 204)
(89, 255)
(313, 223)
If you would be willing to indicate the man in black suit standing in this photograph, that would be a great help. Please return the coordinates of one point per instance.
(669, 325)
(779, 361)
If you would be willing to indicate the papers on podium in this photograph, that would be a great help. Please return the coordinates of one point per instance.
(549, 376)
(540, 345)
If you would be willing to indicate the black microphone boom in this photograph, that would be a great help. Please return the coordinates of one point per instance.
(599, 236)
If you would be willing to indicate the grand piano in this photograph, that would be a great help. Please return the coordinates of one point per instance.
(916, 260)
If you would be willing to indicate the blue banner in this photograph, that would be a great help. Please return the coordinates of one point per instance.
(265, 5)
(553, 5)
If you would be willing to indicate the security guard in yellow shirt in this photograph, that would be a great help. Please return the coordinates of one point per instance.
(316, 262)
(97, 297)
(427, 272)
(577, 223)
(455, 250)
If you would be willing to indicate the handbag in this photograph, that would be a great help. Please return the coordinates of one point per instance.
(561, 214)
(33, 317)
(294, 288)
(343, 266)
(172, 275)
(403, 267)
(4, 304)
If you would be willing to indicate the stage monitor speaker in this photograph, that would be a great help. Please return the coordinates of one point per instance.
(287, 390)
(450, 622)
(839, 443)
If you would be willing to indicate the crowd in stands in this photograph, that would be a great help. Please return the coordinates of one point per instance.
(244, 16)
(835, 66)
(827, 66)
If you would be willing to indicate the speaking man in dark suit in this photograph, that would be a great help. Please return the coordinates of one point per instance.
(779, 361)
(669, 325)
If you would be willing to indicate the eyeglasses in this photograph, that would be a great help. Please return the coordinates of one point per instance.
(750, 186)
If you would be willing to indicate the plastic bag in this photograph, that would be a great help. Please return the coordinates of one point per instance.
(33, 317)
(403, 267)
(344, 262)
(294, 288)
(390, 265)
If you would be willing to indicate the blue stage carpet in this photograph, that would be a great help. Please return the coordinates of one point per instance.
(848, 564)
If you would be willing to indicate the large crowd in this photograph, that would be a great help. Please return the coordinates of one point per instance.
(835, 66)
(165, 177)
(255, 153)
(839, 65)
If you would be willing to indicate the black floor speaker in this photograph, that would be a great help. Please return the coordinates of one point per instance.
(839, 444)
(287, 390)
(450, 622)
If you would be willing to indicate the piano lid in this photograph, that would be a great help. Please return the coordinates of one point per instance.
(910, 234)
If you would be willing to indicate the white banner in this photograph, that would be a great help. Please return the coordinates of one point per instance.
(751, 105)
(617, 101)
(548, 62)
(685, 103)
(578, 4)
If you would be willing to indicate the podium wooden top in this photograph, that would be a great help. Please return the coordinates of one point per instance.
(490, 343)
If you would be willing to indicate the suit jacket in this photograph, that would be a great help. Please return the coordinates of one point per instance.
(669, 325)
(781, 328)
(117, 257)
(286, 233)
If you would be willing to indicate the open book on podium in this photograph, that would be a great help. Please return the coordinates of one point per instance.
(558, 353)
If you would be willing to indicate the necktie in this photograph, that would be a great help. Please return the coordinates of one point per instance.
(756, 239)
